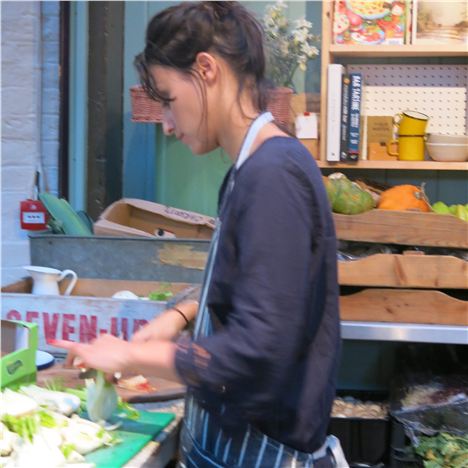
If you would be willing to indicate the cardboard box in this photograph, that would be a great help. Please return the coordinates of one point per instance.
(88, 312)
(134, 217)
(19, 346)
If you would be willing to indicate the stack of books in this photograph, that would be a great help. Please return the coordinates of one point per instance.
(343, 114)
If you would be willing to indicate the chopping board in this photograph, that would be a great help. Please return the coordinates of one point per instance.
(69, 377)
(134, 435)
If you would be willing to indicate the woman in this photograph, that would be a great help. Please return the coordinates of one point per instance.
(261, 366)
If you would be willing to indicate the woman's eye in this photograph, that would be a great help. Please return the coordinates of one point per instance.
(166, 103)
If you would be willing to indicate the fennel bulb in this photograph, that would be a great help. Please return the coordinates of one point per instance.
(101, 398)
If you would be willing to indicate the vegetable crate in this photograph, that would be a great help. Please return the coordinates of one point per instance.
(411, 287)
(89, 311)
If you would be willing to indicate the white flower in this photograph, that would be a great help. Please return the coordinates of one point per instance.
(300, 35)
(284, 47)
(309, 50)
(302, 23)
(290, 44)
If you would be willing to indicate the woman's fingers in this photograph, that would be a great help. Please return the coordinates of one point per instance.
(76, 352)
(106, 353)
(68, 345)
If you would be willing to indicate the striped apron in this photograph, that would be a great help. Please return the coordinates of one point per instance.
(203, 442)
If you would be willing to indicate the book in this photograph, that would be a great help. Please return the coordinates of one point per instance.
(335, 73)
(369, 22)
(344, 117)
(355, 98)
(363, 150)
(379, 133)
(440, 22)
(409, 21)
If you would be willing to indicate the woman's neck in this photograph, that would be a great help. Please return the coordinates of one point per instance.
(233, 129)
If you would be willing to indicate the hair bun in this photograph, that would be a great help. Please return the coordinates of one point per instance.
(221, 9)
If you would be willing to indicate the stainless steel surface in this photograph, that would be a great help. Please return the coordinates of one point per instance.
(411, 332)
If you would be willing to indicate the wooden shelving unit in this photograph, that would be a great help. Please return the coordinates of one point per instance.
(399, 51)
(334, 52)
(397, 165)
(397, 289)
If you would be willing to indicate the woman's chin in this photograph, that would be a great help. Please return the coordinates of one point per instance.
(200, 149)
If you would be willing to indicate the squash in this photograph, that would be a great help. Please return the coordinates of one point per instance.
(346, 197)
(404, 197)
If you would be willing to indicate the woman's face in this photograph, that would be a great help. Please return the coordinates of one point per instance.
(183, 114)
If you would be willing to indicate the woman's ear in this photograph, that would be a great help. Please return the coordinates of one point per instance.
(207, 66)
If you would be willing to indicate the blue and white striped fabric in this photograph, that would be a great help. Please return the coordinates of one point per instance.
(203, 442)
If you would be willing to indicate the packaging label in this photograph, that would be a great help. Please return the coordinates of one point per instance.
(36, 217)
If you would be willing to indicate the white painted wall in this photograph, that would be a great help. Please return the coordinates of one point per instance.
(30, 54)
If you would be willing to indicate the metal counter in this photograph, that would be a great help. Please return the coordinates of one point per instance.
(410, 332)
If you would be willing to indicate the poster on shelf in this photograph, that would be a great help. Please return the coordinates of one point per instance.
(370, 22)
(440, 22)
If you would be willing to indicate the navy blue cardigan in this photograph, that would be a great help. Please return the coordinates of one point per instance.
(272, 360)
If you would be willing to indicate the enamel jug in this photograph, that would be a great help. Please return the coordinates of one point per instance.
(46, 280)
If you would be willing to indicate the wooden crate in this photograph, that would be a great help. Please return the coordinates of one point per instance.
(88, 312)
(405, 271)
(403, 227)
(404, 306)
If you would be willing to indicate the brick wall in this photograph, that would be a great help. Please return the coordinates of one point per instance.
(30, 53)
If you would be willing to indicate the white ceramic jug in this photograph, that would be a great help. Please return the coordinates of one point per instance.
(46, 280)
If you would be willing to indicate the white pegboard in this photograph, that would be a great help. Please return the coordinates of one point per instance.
(412, 75)
(445, 106)
(439, 91)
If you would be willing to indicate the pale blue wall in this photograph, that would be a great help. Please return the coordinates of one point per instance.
(162, 169)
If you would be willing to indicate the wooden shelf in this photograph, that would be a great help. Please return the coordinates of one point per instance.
(410, 165)
(413, 50)
(403, 228)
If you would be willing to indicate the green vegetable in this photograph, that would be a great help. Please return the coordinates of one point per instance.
(128, 411)
(160, 295)
(101, 398)
(347, 197)
(64, 216)
(55, 384)
(443, 450)
(24, 426)
(67, 449)
(46, 419)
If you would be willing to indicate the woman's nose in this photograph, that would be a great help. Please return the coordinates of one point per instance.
(168, 123)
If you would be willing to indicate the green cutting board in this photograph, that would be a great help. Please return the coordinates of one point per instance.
(135, 434)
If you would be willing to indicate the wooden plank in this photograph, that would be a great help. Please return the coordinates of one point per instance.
(412, 271)
(327, 12)
(89, 287)
(404, 306)
(408, 50)
(403, 227)
(21, 286)
(416, 165)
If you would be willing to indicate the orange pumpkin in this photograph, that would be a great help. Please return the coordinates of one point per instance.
(404, 197)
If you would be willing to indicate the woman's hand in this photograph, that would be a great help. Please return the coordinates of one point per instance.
(168, 325)
(106, 353)
(110, 354)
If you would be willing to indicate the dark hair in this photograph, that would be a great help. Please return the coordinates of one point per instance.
(176, 35)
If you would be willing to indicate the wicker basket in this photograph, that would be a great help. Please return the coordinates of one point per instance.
(279, 104)
(144, 109)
